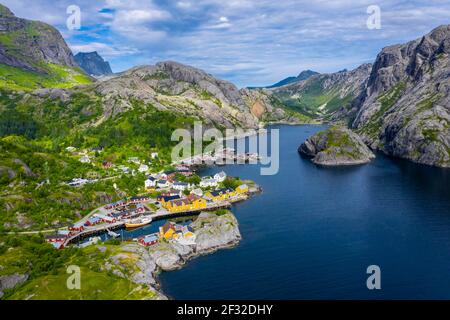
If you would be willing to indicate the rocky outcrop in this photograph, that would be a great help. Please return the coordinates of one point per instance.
(404, 110)
(213, 232)
(179, 88)
(336, 146)
(27, 44)
(93, 64)
(11, 281)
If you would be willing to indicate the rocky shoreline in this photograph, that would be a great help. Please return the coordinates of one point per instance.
(142, 265)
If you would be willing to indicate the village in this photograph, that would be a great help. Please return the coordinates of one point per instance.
(168, 194)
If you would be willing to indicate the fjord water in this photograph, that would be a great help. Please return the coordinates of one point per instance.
(313, 232)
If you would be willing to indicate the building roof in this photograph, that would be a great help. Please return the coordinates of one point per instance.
(55, 236)
(180, 202)
(219, 192)
(168, 198)
(167, 226)
(150, 238)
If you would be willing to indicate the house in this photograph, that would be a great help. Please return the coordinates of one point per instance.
(181, 186)
(196, 202)
(56, 238)
(143, 168)
(71, 149)
(138, 199)
(181, 167)
(208, 182)
(148, 240)
(150, 183)
(105, 218)
(85, 159)
(77, 227)
(221, 194)
(154, 155)
(124, 169)
(197, 192)
(167, 230)
(178, 205)
(172, 192)
(187, 231)
(220, 177)
(163, 183)
(243, 188)
(165, 199)
(97, 149)
(92, 221)
(106, 164)
(58, 245)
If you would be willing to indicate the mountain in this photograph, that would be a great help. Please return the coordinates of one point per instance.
(304, 75)
(93, 64)
(34, 54)
(404, 108)
(324, 96)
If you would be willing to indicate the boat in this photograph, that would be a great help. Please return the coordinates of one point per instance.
(139, 222)
(112, 234)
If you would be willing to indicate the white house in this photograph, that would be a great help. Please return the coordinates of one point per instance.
(181, 186)
(71, 149)
(197, 192)
(208, 182)
(143, 168)
(150, 183)
(85, 159)
(134, 160)
(220, 177)
(163, 183)
(154, 155)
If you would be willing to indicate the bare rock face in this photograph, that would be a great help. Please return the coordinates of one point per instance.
(404, 110)
(93, 64)
(30, 43)
(176, 87)
(11, 281)
(336, 147)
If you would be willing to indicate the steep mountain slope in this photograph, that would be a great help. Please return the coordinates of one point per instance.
(304, 75)
(404, 108)
(93, 64)
(325, 96)
(34, 54)
(179, 88)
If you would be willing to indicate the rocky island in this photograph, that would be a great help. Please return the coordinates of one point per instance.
(336, 146)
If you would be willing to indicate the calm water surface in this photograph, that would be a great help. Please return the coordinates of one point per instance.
(313, 231)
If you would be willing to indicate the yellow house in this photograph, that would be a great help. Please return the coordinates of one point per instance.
(167, 231)
(178, 205)
(196, 202)
(243, 188)
(221, 194)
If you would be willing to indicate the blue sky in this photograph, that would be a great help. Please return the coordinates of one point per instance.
(248, 42)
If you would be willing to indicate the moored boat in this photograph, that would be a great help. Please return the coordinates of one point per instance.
(139, 222)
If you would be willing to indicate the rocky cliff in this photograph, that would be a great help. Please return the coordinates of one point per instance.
(336, 146)
(93, 64)
(404, 110)
(28, 44)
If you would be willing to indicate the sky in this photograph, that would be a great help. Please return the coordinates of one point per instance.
(247, 42)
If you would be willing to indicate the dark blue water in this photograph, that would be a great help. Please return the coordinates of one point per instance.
(313, 231)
